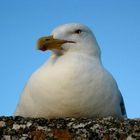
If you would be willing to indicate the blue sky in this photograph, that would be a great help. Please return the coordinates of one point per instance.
(115, 23)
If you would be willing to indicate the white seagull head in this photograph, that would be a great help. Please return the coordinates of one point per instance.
(72, 37)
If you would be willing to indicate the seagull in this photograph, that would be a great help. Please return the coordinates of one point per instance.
(73, 82)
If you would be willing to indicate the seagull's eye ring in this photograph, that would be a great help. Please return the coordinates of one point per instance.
(78, 31)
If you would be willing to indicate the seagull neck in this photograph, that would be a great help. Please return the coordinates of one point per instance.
(80, 55)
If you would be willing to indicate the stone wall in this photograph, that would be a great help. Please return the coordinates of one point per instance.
(19, 128)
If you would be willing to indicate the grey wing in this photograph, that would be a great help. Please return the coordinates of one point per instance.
(122, 106)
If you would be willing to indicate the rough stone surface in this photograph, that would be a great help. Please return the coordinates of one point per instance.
(19, 128)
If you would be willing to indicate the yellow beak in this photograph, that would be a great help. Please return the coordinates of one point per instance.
(49, 43)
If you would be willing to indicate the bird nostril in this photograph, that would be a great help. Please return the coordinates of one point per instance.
(47, 39)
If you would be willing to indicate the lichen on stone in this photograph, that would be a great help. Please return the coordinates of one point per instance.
(19, 128)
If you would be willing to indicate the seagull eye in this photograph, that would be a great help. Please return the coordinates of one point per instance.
(78, 31)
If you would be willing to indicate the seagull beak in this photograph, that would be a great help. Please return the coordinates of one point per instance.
(49, 43)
